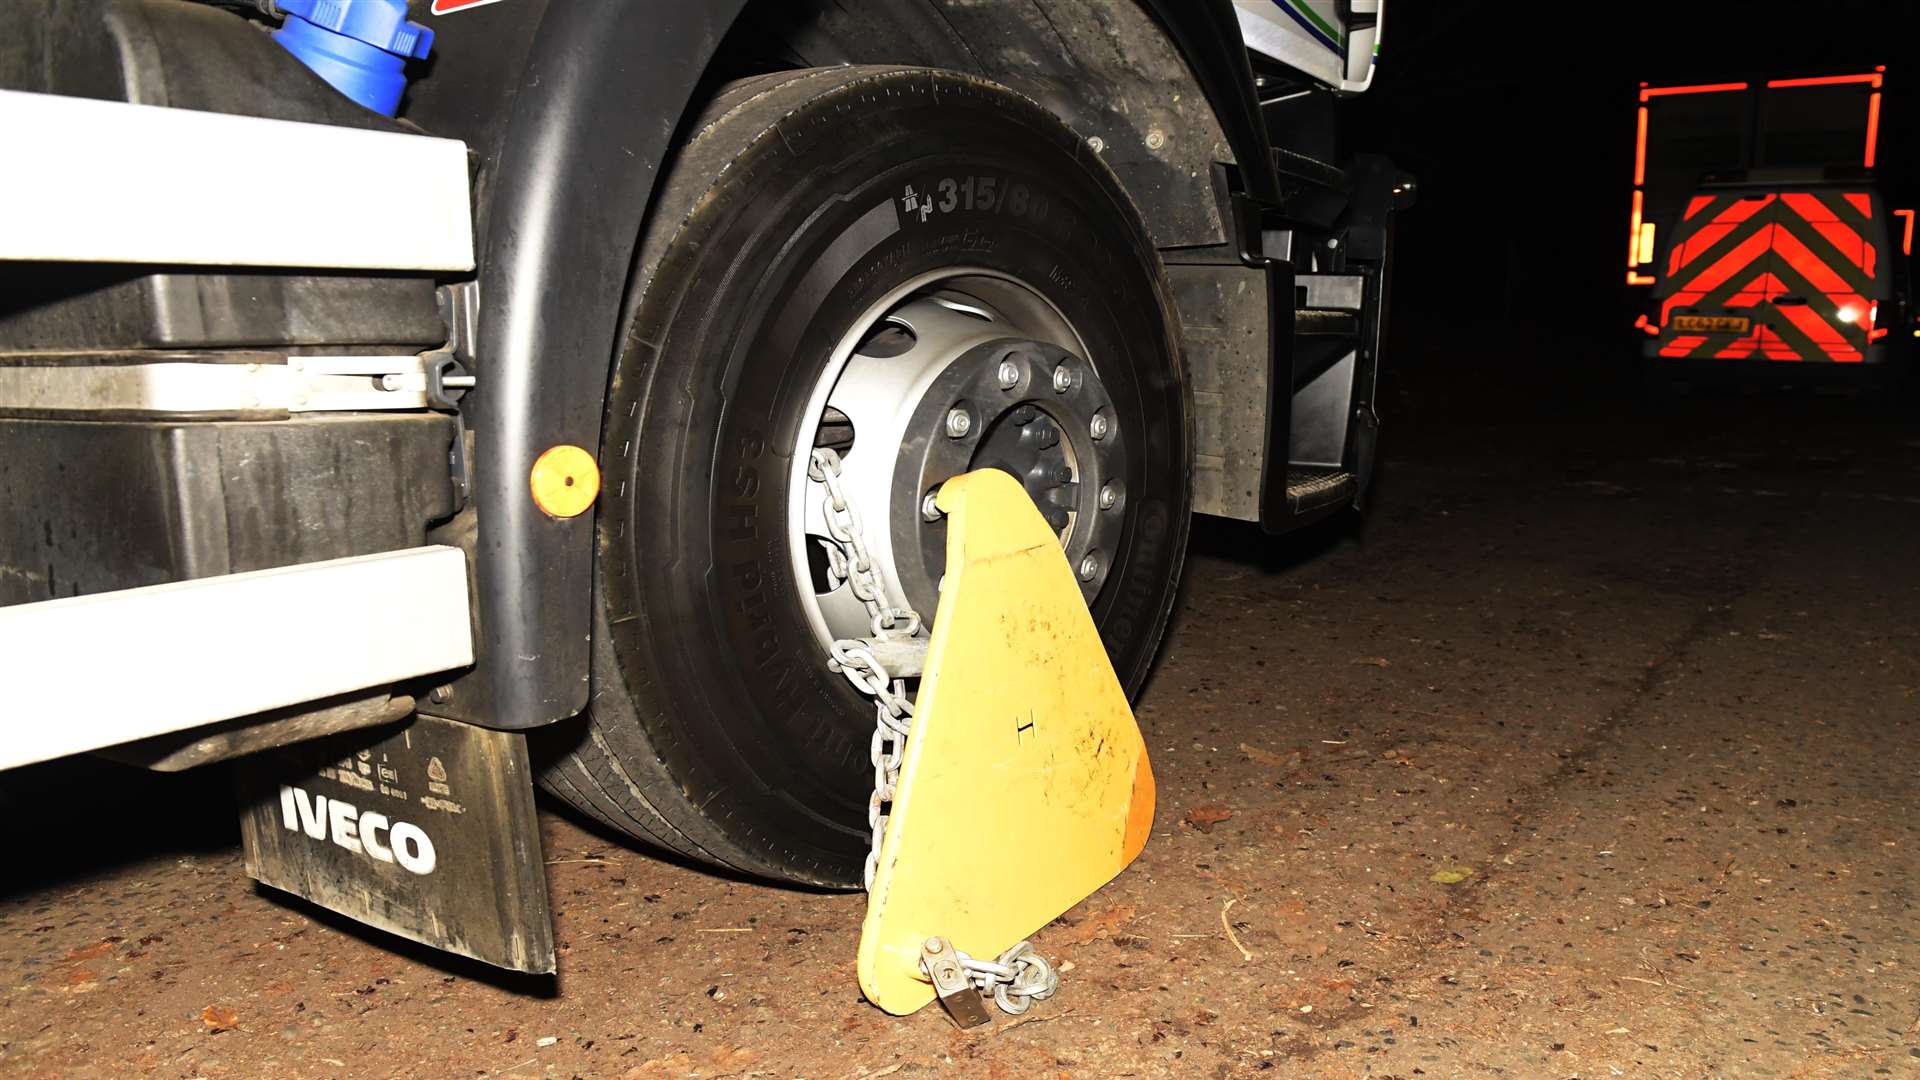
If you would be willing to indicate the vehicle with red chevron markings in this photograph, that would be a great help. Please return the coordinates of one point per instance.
(1763, 229)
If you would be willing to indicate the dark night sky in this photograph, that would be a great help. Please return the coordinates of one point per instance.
(1520, 130)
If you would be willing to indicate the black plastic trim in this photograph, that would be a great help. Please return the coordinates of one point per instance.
(1208, 36)
(1276, 513)
(577, 159)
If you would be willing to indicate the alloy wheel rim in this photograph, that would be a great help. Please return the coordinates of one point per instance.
(952, 371)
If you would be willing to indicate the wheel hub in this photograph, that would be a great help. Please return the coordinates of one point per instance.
(966, 371)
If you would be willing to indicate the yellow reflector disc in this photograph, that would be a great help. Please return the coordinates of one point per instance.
(1025, 786)
(565, 481)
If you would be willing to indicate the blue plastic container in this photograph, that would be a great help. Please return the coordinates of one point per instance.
(361, 47)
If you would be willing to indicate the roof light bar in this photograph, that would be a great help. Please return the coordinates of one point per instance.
(1873, 78)
(1648, 92)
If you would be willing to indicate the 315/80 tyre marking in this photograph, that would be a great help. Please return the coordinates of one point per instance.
(982, 193)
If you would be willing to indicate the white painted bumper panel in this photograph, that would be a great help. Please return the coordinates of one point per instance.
(89, 672)
(109, 182)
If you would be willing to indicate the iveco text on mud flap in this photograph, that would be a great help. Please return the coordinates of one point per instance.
(428, 832)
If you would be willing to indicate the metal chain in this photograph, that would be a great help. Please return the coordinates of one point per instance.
(892, 709)
(1020, 976)
(1018, 979)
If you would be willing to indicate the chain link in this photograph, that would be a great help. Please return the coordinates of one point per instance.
(1021, 976)
(1018, 979)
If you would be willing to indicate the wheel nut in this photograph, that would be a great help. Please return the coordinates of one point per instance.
(958, 423)
(1100, 426)
(1009, 374)
(1089, 566)
(930, 507)
(1109, 496)
(1062, 379)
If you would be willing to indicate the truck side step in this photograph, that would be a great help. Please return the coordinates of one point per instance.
(1310, 169)
(1310, 488)
(1325, 322)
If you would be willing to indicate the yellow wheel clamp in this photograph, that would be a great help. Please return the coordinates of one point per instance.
(1025, 785)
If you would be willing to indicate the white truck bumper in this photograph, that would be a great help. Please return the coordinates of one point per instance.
(88, 672)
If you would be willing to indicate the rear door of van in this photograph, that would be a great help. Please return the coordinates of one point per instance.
(1791, 274)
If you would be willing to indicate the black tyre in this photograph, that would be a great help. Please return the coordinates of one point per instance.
(797, 205)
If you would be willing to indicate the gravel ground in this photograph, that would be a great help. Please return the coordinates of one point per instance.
(1590, 755)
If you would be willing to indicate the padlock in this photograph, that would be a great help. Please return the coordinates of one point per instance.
(956, 992)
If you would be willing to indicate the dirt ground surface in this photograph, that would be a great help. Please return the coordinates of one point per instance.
(1590, 754)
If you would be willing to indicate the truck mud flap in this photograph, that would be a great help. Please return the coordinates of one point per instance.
(429, 833)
